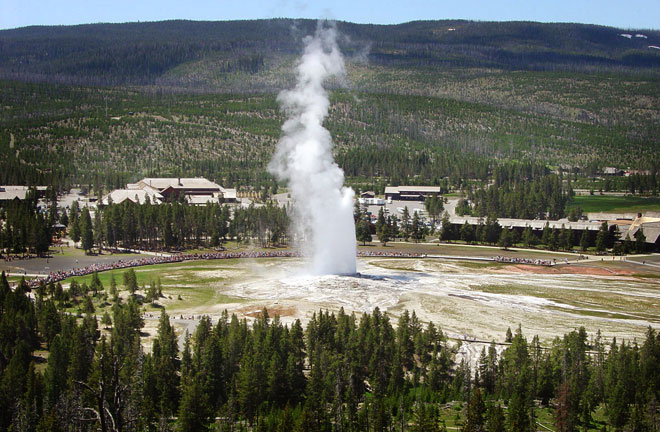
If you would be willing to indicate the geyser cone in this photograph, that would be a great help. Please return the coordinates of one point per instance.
(323, 206)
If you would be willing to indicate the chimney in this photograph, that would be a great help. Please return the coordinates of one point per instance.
(179, 180)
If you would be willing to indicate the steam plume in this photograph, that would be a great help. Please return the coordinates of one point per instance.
(323, 206)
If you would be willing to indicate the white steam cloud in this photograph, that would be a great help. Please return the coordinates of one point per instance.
(323, 206)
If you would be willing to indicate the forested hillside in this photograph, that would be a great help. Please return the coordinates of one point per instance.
(141, 53)
(424, 102)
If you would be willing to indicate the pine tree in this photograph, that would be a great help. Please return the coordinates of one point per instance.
(505, 239)
(584, 241)
(627, 245)
(476, 411)
(547, 233)
(554, 240)
(363, 231)
(194, 410)
(495, 419)
(425, 418)
(99, 235)
(467, 233)
(446, 231)
(528, 237)
(417, 229)
(106, 320)
(86, 234)
(384, 232)
(113, 287)
(405, 223)
(130, 281)
(640, 241)
(74, 227)
(165, 365)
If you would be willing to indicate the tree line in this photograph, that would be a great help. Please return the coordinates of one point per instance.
(520, 197)
(25, 228)
(178, 225)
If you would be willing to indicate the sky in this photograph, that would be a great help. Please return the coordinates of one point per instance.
(635, 14)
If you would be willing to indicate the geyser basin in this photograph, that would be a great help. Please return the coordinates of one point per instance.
(480, 301)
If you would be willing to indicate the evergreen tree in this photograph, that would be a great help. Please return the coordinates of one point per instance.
(113, 286)
(467, 233)
(554, 240)
(566, 238)
(130, 280)
(640, 241)
(363, 231)
(627, 245)
(425, 418)
(86, 234)
(164, 353)
(106, 320)
(547, 234)
(434, 207)
(602, 238)
(74, 227)
(528, 237)
(417, 229)
(380, 221)
(505, 239)
(476, 411)
(584, 241)
(98, 234)
(446, 230)
(194, 411)
(405, 224)
(384, 231)
(495, 421)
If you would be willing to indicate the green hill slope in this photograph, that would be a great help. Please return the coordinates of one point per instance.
(141, 53)
(425, 100)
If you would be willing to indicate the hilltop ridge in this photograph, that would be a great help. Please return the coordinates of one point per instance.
(167, 52)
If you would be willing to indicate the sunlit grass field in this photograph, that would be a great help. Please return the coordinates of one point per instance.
(615, 204)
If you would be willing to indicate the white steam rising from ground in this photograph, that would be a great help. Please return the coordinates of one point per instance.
(323, 206)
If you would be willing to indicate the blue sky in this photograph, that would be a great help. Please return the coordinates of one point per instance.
(642, 14)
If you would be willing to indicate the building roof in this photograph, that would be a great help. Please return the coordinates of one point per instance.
(650, 226)
(229, 194)
(8, 193)
(412, 189)
(138, 196)
(612, 170)
(534, 224)
(178, 183)
(202, 199)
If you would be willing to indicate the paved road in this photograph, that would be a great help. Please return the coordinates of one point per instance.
(43, 266)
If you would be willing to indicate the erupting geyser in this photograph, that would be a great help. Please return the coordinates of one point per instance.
(323, 206)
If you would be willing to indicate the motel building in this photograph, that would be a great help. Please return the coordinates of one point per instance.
(410, 193)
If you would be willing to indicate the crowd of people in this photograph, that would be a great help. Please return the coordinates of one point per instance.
(61, 275)
(392, 254)
(517, 260)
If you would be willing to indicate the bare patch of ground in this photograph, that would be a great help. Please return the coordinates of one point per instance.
(565, 269)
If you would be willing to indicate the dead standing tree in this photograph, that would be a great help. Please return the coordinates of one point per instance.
(111, 394)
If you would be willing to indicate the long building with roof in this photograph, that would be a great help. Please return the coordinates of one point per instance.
(411, 193)
(535, 225)
(195, 191)
(137, 196)
(11, 193)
